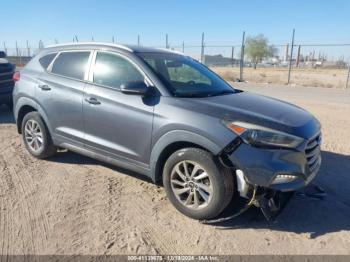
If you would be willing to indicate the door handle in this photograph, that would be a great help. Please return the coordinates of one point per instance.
(44, 87)
(93, 101)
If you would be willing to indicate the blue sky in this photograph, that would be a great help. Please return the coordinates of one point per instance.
(222, 21)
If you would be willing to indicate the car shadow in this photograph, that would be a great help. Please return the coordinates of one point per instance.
(6, 116)
(69, 157)
(310, 215)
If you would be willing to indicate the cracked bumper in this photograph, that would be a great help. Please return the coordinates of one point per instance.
(261, 166)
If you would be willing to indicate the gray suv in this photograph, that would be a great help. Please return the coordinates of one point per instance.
(167, 116)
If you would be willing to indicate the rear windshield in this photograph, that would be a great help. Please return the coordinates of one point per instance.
(184, 76)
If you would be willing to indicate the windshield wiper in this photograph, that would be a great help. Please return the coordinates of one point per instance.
(223, 92)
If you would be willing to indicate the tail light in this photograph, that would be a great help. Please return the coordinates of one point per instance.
(16, 76)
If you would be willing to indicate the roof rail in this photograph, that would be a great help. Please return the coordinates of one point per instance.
(91, 43)
(171, 51)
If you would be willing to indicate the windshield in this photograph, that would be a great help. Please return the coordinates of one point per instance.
(185, 77)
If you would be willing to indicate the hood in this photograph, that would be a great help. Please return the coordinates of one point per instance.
(259, 110)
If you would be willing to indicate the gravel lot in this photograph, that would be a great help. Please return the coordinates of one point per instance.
(71, 204)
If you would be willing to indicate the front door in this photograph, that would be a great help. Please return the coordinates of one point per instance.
(116, 124)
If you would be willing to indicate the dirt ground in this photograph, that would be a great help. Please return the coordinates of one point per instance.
(71, 204)
(315, 77)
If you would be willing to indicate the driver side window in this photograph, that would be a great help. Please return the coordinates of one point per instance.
(113, 71)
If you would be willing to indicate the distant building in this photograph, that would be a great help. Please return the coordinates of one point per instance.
(219, 60)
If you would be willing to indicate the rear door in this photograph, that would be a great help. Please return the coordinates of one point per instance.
(60, 94)
(116, 124)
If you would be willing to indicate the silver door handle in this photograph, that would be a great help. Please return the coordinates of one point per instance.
(44, 87)
(93, 101)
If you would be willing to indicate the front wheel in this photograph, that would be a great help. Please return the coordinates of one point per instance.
(196, 184)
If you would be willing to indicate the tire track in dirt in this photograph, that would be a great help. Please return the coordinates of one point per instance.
(28, 204)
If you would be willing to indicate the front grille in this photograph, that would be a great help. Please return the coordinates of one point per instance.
(313, 152)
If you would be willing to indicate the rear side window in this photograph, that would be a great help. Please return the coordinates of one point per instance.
(113, 71)
(45, 61)
(71, 64)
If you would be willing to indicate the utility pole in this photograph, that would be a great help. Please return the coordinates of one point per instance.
(241, 64)
(202, 50)
(232, 53)
(166, 41)
(291, 56)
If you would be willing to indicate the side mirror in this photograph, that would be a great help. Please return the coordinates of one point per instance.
(134, 88)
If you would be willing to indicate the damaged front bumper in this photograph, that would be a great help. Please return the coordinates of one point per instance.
(278, 169)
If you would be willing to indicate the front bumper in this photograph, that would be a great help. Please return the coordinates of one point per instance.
(261, 166)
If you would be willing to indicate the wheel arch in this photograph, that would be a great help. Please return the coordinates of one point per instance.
(24, 106)
(173, 141)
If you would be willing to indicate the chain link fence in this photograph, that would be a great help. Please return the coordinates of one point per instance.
(316, 65)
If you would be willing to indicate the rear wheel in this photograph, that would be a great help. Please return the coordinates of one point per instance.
(36, 136)
(196, 184)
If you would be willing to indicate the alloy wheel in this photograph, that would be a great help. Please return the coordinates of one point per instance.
(191, 185)
(33, 135)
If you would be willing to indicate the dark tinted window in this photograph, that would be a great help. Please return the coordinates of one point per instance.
(113, 70)
(2, 54)
(71, 64)
(45, 61)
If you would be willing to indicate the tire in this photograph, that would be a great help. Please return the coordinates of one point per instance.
(47, 148)
(217, 181)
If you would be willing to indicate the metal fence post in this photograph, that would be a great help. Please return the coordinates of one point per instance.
(17, 54)
(232, 53)
(347, 79)
(298, 56)
(138, 40)
(241, 64)
(5, 48)
(28, 49)
(183, 47)
(202, 50)
(291, 57)
(166, 41)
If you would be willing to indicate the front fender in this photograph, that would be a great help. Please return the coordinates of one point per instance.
(175, 137)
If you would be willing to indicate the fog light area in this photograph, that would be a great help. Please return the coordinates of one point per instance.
(284, 178)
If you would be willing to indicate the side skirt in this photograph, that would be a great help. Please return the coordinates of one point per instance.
(109, 160)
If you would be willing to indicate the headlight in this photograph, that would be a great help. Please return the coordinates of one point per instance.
(260, 136)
